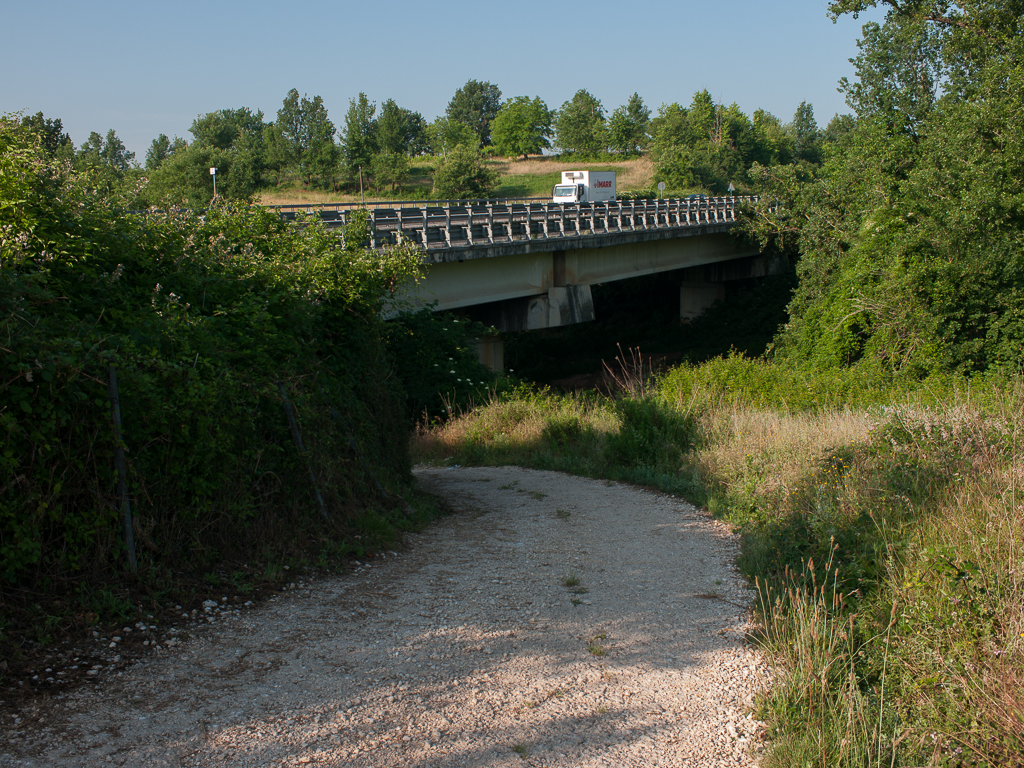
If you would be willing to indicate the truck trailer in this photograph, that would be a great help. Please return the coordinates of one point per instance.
(585, 187)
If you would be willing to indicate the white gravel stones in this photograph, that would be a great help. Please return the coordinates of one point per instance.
(504, 635)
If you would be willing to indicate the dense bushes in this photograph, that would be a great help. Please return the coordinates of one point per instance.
(910, 233)
(201, 316)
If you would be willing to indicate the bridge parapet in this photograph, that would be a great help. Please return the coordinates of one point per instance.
(455, 225)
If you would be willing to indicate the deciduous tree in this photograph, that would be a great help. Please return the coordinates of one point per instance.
(476, 104)
(389, 169)
(445, 134)
(221, 129)
(55, 141)
(400, 130)
(161, 148)
(911, 234)
(580, 126)
(805, 133)
(304, 139)
(628, 125)
(463, 175)
(522, 127)
(359, 138)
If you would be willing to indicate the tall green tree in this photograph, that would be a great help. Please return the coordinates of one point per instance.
(231, 140)
(161, 148)
(911, 235)
(476, 104)
(359, 137)
(389, 169)
(773, 145)
(580, 127)
(671, 128)
(805, 133)
(55, 141)
(109, 165)
(222, 129)
(838, 129)
(109, 152)
(445, 134)
(523, 126)
(401, 131)
(628, 126)
(708, 146)
(899, 70)
(303, 139)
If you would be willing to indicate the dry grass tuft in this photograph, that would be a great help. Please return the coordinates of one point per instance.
(305, 197)
(776, 447)
(508, 429)
(632, 173)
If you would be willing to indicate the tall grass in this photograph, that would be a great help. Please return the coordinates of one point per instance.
(883, 530)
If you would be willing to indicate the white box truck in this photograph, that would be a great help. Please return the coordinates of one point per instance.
(585, 187)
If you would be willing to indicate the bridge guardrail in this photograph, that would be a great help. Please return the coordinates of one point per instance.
(291, 209)
(453, 224)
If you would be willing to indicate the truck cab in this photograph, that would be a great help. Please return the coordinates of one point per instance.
(568, 193)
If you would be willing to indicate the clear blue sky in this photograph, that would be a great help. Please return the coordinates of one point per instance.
(146, 68)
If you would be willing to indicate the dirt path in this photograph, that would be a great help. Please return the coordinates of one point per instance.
(555, 621)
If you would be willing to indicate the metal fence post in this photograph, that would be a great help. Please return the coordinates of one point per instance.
(122, 481)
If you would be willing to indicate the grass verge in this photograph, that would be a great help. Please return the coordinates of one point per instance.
(883, 529)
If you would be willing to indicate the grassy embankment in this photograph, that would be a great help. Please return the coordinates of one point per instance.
(517, 178)
(883, 529)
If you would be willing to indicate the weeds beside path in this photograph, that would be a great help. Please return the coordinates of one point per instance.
(882, 525)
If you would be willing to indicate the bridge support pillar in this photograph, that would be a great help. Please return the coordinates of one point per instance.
(563, 305)
(490, 350)
(560, 305)
(569, 304)
(696, 298)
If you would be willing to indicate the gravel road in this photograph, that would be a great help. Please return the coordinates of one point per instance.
(553, 621)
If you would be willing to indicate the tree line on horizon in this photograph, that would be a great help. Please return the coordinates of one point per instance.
(701, 147)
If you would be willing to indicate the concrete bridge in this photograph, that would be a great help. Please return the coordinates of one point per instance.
(529, 263)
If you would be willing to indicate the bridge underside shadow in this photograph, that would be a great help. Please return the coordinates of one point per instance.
(531, 291)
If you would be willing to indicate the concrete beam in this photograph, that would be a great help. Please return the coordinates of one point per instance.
(570, 242)
(455, 284)
(738, 269)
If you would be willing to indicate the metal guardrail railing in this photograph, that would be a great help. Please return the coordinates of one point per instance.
(453, 224)
(374, 205)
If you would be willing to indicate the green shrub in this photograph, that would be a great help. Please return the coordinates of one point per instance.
(202, 316)
(435, 359)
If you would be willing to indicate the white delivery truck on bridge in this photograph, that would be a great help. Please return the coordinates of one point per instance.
(585, 187)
